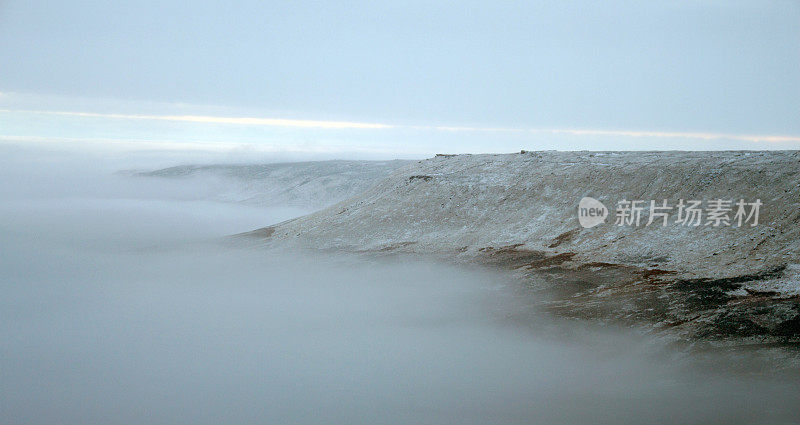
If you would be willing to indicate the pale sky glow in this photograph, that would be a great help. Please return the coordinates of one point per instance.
(673, 134)
(271, 122)
(280, 122)
(403, 78)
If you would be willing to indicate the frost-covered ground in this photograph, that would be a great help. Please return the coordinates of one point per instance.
(478, 201)
(521, 209)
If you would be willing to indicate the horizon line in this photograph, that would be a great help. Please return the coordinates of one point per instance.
(334, 125)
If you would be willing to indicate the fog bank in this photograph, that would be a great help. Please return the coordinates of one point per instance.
(120, 307)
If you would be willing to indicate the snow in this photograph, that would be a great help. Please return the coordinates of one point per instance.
(531, 198)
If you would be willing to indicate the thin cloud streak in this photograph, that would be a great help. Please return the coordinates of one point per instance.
(628, 133)
(280, 122)
(138, 144)
(207, 119)
(679, 135)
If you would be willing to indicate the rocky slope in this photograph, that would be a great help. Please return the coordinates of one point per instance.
(520, 211)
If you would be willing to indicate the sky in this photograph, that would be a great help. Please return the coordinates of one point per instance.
(400, 79)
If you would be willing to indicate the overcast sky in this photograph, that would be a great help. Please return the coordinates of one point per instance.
(402, 78)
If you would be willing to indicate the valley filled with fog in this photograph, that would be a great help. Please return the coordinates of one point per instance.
(124, 303)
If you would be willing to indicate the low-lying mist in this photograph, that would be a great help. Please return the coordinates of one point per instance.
(120, 305)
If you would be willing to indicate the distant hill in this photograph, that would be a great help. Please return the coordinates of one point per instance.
(311, 185)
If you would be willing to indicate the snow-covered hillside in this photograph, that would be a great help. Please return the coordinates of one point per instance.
(521, 209)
